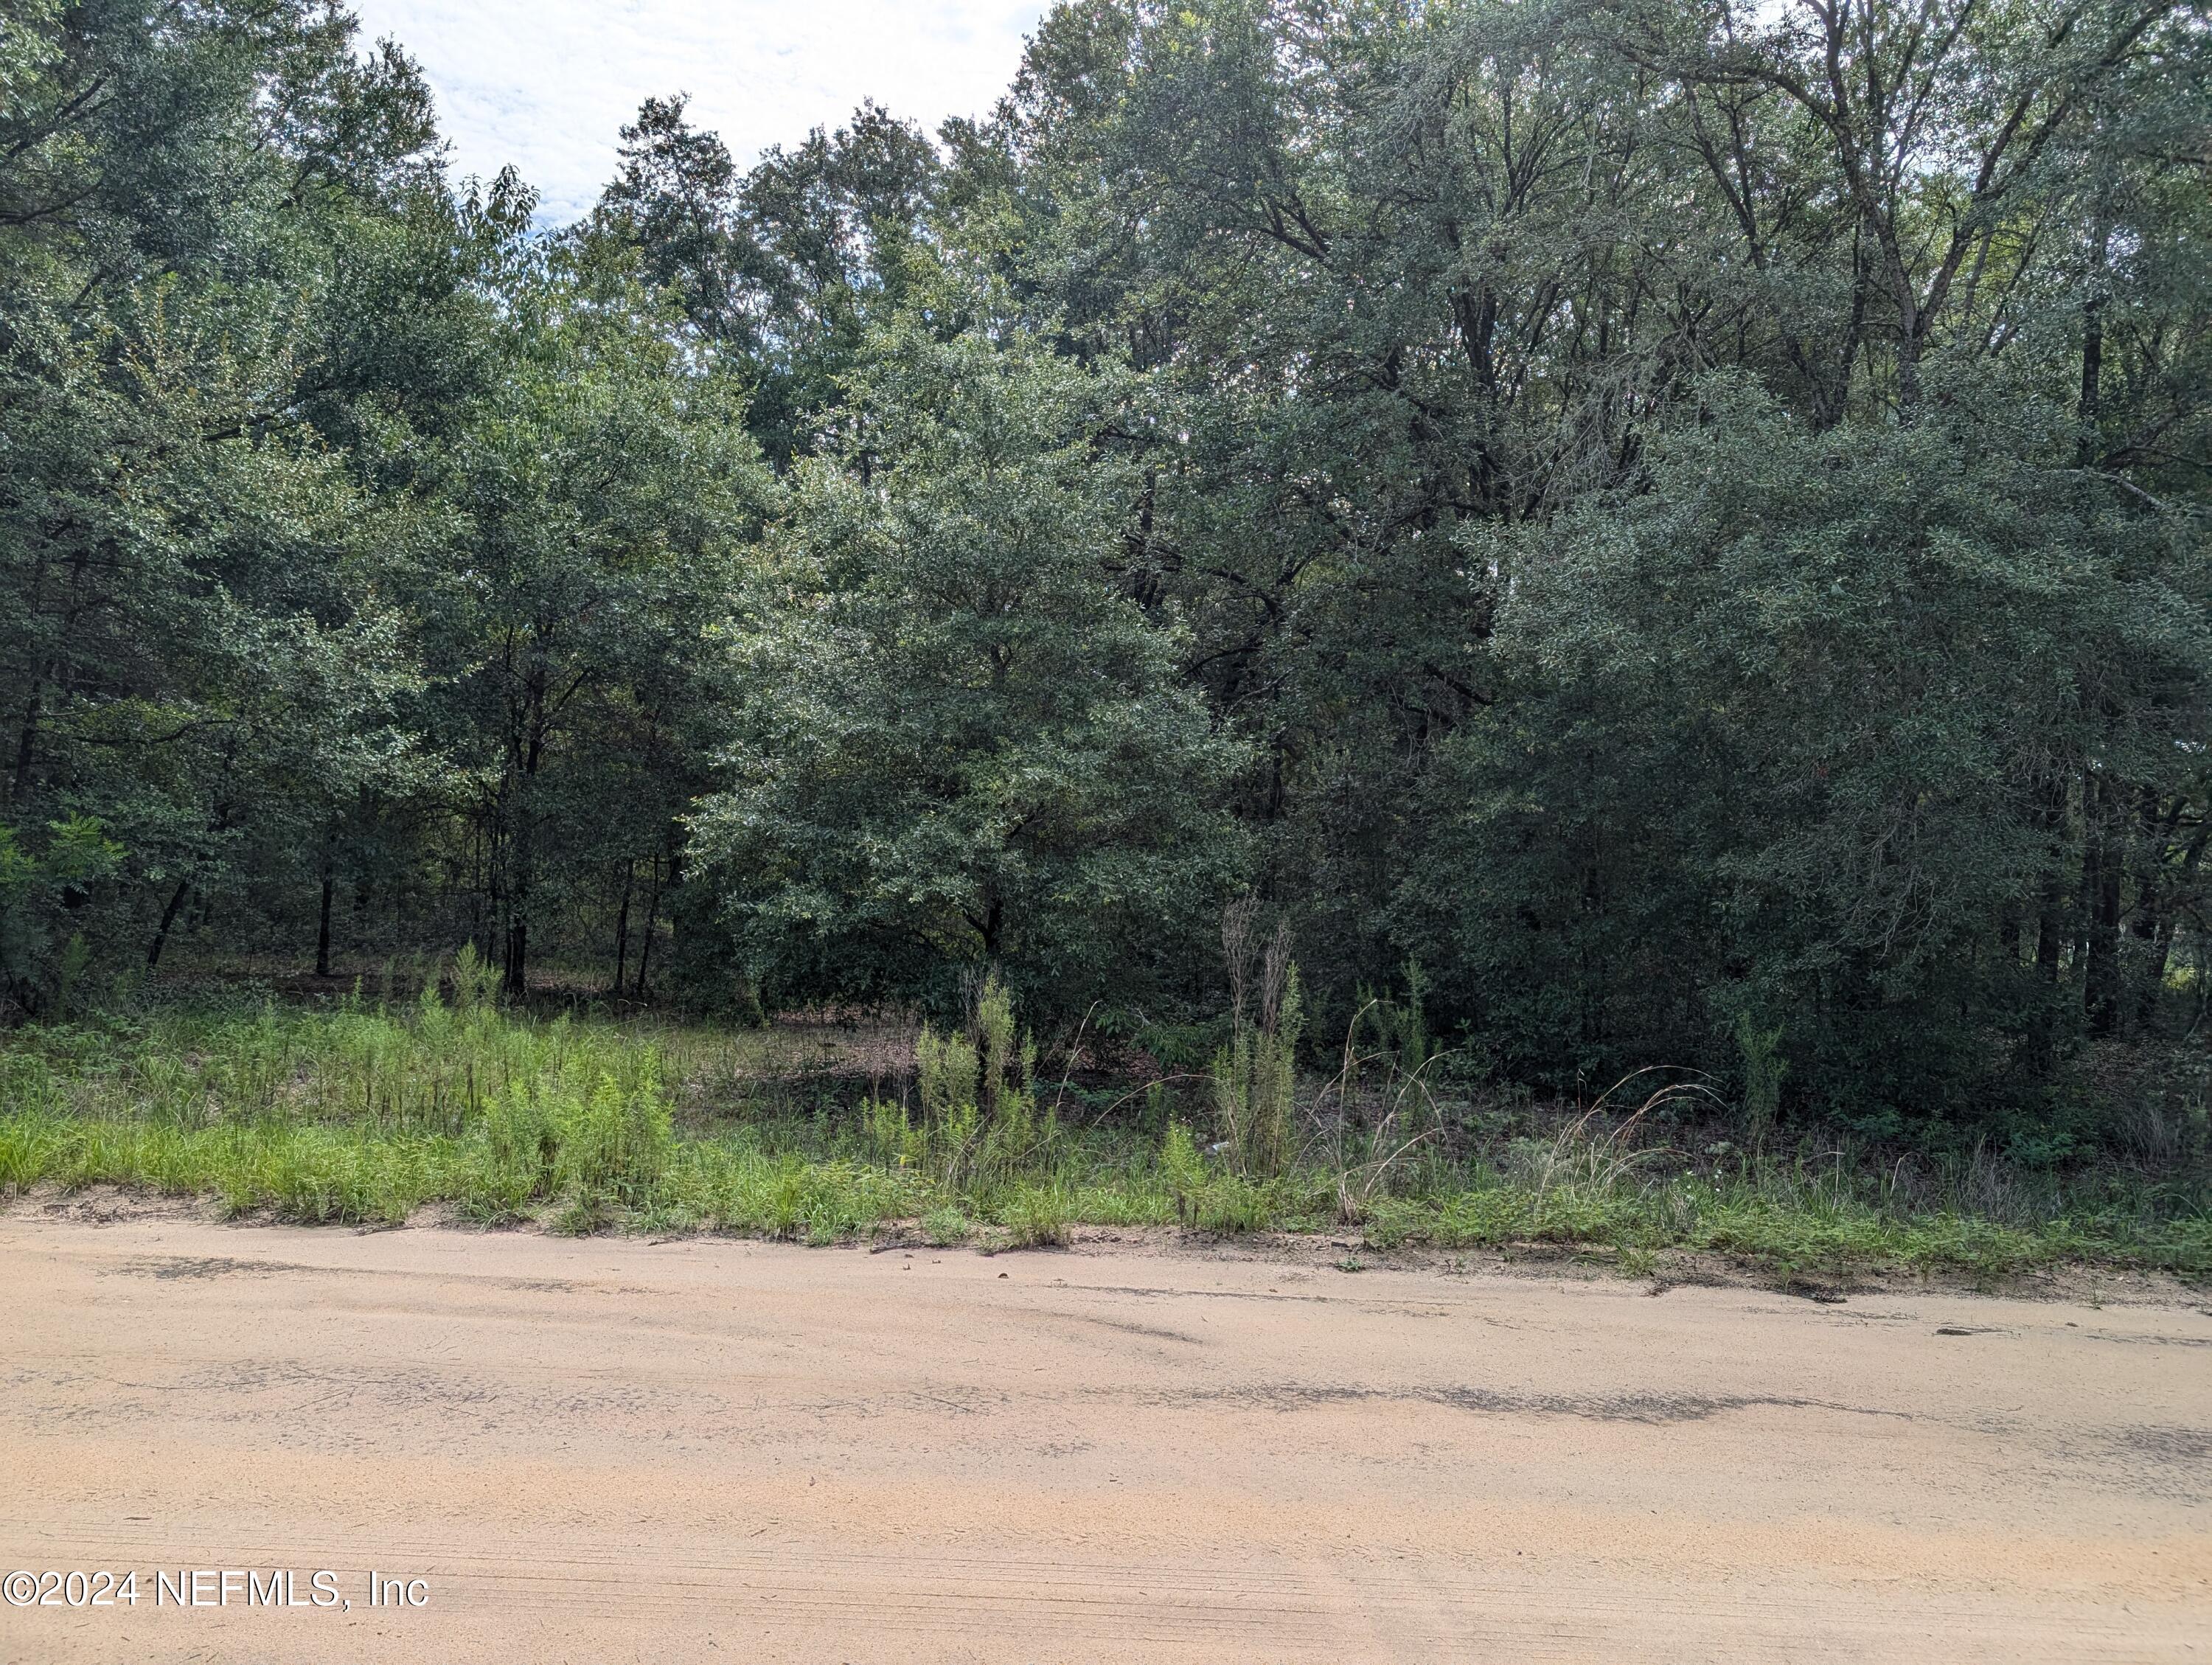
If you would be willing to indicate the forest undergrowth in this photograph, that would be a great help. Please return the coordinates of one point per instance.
(361, 1110)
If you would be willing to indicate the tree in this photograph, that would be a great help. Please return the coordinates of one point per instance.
(1774, 745)
(1427, 286)
(190, 572)
(776, 273)
(604, 488)
(959, 743)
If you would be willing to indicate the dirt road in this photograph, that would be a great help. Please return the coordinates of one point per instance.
(613, 1449)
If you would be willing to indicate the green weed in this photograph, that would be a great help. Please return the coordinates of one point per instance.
(363, 1115)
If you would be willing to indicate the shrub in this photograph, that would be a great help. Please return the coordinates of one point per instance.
(979, 1092)
(1255, 1074)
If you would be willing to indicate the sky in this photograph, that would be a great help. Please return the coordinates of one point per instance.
(544, 84)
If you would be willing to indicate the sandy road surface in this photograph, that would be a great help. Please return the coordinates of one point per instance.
(615, 1450)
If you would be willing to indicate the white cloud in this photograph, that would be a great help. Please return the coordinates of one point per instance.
(544, 84)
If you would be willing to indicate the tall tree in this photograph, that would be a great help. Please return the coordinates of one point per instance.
(191, 571)
(604, 488)
(778, 271)
(960, 744)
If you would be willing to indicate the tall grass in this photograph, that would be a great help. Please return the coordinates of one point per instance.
(361, 1113)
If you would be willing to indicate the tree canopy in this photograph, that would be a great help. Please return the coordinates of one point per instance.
(1673, 520)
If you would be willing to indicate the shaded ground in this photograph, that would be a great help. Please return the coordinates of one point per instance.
(612, 1449)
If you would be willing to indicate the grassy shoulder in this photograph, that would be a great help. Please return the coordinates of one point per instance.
(358, 1114)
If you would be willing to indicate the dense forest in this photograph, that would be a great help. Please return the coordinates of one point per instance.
(1661, 532)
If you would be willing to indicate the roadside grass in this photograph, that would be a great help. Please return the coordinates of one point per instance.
(364, 1115)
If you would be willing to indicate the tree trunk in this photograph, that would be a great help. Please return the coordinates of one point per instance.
(169, 918)
(27, 734)
(323, 919)
(526, 751)
(651, 921)
(622, 925)
(2050, 928)
(2092, 344)
(2102, 866)
(515, 949)
(2155, 831)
